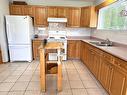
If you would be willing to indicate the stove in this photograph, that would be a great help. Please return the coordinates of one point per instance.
(58, 36)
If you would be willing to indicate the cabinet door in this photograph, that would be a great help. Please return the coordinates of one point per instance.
(88, 17)
(73, 49)
(62, 12)
(29, 10)
(0, 57)
(118, 82)
(36, 44)
(40, 16)
(16, 9)
(85, 17)
(95, 63)
(105, 73)
(74, 17)
(52, 11)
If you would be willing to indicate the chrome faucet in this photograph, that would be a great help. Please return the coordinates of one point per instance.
(108, 42)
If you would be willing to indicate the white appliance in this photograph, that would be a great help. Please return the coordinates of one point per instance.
(58, 36)
(50, 19)
(19, 35)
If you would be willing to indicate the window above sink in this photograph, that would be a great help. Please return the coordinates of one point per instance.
(114, 16)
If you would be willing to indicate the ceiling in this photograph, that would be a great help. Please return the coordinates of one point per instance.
(53, 0)
(78, 3)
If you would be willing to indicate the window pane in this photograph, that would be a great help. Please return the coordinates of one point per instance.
(110, 17)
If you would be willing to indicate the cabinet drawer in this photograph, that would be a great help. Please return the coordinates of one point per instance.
(108, 57)
(121, 64)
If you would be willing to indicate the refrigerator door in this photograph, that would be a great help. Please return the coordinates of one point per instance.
(18, 30)
(20, 53)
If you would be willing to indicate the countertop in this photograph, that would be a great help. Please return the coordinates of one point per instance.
(118, 50)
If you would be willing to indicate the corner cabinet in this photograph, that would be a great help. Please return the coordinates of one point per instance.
(88, 17)
(40, 18)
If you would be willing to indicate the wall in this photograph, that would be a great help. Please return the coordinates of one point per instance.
(116, 36)
(4, 9)
(75, 3)
(62, 27)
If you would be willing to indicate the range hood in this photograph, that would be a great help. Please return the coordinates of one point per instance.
(50, 19)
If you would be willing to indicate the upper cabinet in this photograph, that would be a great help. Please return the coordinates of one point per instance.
(62, 12)
(88, 17)
(74, 17)
(29, 10)
(52, 11)
(77, 17)
(16, 9)
(40, 18)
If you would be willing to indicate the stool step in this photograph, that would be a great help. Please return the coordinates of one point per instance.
(53, 61)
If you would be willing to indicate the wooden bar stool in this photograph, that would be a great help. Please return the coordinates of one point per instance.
(43, 64)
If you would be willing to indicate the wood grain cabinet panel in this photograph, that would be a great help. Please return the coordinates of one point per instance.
(73, 49)
(118, 84)
(106, 71)
(28, 10)
(36, 44)
(40, 16)
(62, 12)
(17, 9)
(88, 17)
(74, 17)
(52, 11)
(1, 57)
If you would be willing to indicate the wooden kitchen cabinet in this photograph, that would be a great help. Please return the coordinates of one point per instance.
(73, 49)
(28, 10)
(16, 9)
(95, 58)
(36, 44)
(40, 16)
(106, 71)
(118, 83)
(73, 16)
(62, 12)
(52, 11)
(88, 17)
(1, 57)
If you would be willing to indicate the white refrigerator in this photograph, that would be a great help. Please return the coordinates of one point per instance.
(19, 36)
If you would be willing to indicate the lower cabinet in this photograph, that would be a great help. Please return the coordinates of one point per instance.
(36, 44)
(73, 49)
(105, 73)
(118, 83)
(109, 70)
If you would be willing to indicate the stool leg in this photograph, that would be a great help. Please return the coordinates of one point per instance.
(59, 78)
(42, 71)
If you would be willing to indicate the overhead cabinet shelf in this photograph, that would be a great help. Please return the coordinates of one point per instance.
(77, 17)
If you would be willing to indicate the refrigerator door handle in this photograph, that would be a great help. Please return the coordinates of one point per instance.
(8, 32)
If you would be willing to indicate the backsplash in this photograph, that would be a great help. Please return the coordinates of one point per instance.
(115, 36)
(62, 26)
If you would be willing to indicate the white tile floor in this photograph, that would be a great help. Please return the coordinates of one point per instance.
(22, 78)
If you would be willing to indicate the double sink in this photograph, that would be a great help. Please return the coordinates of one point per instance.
(106, 42)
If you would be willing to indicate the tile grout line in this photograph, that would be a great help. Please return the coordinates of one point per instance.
(68, 77)
(81, 80)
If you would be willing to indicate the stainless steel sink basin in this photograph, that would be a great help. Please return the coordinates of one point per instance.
(101, 43)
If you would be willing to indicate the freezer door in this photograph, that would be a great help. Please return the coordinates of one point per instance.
(18, 30)
(20, 53)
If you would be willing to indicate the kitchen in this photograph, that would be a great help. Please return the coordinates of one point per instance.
(91, 69)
